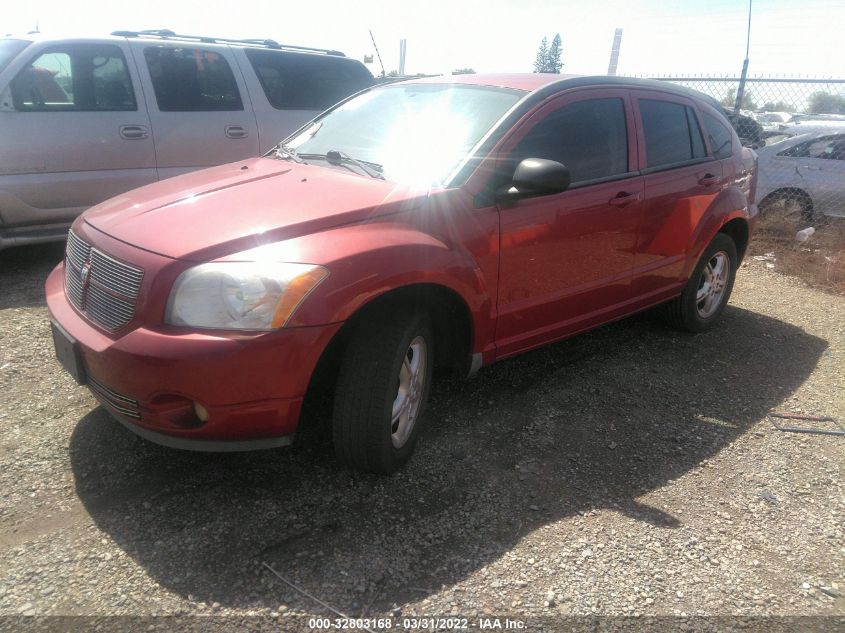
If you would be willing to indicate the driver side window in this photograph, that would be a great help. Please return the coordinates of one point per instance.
(78, 78)
(589, 137)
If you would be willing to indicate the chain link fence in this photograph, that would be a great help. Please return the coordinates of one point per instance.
(797, 127)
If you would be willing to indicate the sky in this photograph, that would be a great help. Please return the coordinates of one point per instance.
(660, 37)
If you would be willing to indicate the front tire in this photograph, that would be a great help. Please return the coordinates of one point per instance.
(382, 390)
(709, 287)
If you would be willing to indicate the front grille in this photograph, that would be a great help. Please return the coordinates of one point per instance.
(109, 397)
(107, 296)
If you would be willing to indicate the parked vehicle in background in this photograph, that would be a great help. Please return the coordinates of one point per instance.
(439, 223)
(83, 120)
(803, 176)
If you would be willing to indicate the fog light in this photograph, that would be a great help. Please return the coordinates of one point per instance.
(201, 412)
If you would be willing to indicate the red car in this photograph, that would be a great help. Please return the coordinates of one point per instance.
(440, 223)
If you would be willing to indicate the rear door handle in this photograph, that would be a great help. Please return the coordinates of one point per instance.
(133, 132)
(708, 179)
(623, 199)
(236, 131)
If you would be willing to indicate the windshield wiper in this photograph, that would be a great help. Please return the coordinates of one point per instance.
(336, 157)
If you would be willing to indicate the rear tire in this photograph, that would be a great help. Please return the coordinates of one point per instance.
(708, 290)
(382, 390)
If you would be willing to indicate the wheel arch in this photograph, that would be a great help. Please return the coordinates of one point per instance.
(737, 230)
(786, 192)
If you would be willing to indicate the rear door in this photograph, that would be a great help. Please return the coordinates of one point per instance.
(198, 103)
(680, 182)
(566, 258)
(74, 132)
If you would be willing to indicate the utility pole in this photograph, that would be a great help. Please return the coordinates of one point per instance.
(403, 47)
(614, 52)
(740, 93)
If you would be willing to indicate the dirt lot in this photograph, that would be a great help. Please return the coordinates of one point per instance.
(628, 471)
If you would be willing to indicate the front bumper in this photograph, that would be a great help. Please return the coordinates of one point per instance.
(251, 384)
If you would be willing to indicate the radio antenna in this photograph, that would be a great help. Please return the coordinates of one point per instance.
(372, 37)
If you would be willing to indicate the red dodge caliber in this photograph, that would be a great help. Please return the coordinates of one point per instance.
(440, 223)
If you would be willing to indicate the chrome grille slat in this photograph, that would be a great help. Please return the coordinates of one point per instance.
(109, 397)
(107, 277)
(77, 250)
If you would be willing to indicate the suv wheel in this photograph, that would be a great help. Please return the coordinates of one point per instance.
(382, 390)
(708, 289)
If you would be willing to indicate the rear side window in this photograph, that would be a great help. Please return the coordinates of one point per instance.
(77, 77)
(721, 139)
(300, 81)
(672, 134)
(192, 80)
(590, 137)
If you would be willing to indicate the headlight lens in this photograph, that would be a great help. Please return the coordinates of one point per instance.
(241, 295)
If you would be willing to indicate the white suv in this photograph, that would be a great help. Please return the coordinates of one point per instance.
(83, 120)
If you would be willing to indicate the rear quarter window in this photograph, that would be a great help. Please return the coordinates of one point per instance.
(720, 136)
(302, 81)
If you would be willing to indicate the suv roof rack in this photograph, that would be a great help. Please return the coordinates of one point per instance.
(167, 34)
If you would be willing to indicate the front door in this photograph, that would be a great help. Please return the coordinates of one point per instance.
(566, 258)
(74, 132)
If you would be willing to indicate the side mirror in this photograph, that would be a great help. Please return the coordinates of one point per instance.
(538, 176)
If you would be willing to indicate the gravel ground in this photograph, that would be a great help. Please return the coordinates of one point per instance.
(629, 471)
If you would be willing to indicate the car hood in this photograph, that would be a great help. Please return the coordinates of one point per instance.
(230, 208)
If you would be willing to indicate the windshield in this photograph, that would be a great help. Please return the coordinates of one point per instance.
(9, 49)
(414, 133)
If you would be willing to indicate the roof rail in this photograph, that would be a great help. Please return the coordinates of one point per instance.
(167, 34)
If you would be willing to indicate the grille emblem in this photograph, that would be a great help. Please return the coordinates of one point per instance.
(84, 272)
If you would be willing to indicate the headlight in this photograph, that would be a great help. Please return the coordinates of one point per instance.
(241, 296)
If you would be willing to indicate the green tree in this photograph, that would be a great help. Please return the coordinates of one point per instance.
(463, 71)
(826, 103)
(729, 101)
(554, 63)
(779, 106)
(542, 56)
(548, 57)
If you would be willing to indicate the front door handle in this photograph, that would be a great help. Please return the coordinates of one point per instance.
(811, 168)
(623, 199)
(708, 179)
(236, 131)
(133, 132)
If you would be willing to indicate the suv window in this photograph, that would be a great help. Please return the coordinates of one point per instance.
(590, 137)
(298, 81)
(671, 131)
(78, 77)
(830, 147)
(192, 80)
(721, 139)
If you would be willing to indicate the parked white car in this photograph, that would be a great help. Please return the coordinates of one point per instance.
(85, 119)
(805, 174)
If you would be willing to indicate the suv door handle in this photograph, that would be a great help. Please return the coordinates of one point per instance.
(623, 199)
(708, 179)
(811, 167)
(133, 132)
(236, 131)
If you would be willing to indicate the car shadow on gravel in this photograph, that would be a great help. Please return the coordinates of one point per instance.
(19, 266)
(591, 423)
